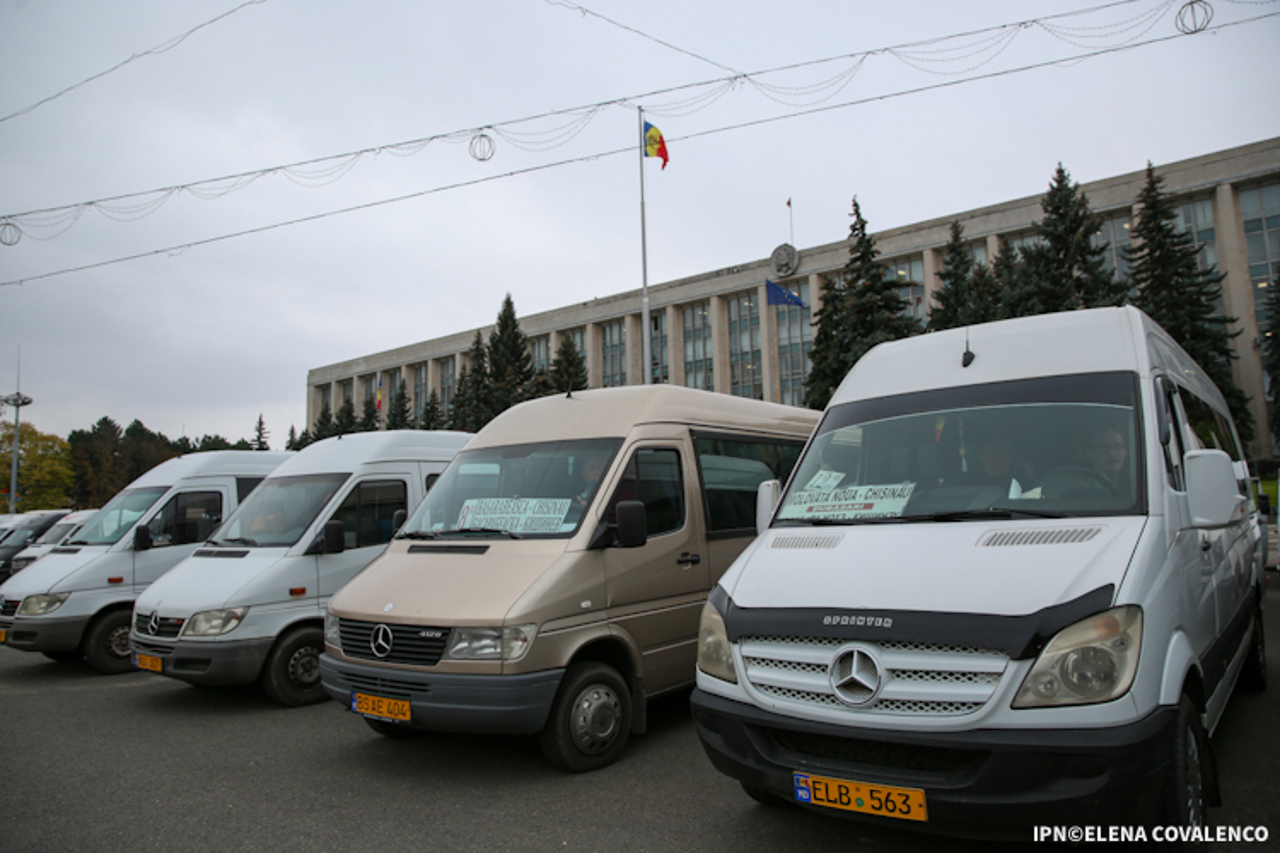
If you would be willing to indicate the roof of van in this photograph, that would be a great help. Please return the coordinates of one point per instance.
(342, 454)
(213, 463)
(1089, 341)
(612, 412)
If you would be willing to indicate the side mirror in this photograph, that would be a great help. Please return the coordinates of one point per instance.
(142, 538)
(632, 529)
(1213, 493)
(335, 539)
(1264, 503)
(767, 496)
(398, 519)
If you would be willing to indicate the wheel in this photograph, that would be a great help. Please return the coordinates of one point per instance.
(590, 719)
(65, 657)
(764, 797)
(1254, 675)
(106, 645)
(1185, 798)
(291, 673)
(391, 730)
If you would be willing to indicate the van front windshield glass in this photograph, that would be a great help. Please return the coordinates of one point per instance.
(54, 534)
(524, 490)
(278, 511)
(1052, 447)
(114, 520)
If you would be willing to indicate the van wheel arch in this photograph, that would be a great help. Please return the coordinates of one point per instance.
(616, 654)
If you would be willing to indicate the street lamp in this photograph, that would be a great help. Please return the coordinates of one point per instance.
(17, 400)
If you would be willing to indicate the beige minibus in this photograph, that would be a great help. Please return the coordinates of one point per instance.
(552, 580)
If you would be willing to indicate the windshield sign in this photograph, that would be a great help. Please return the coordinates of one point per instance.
(1053, 447)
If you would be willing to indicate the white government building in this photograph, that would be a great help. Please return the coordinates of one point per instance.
(717, 331)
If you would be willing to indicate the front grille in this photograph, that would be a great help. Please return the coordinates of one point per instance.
(152, 648)
(916, 679)
(392, 688)
(10, 606)
(410, 644)
(167, 627)
(899, 756)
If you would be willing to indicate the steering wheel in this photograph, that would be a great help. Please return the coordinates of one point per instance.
(1062, 482)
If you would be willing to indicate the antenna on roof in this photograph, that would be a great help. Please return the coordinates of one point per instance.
(968, 357)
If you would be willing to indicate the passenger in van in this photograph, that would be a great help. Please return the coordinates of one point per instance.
(1106, 452)
(997, 463)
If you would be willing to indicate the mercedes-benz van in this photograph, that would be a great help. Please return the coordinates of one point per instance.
(249, 605)
(551, 581)
(1012, 583)
(76, 601)
(51, 538)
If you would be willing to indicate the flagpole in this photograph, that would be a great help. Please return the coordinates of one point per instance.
(646, 352)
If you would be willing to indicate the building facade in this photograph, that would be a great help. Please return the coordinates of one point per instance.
(717, 330)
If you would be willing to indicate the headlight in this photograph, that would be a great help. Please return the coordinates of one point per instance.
(715, 655)
(39, 605)
(1092, 661)
(211, 623)
(332, 633)
(509, 643)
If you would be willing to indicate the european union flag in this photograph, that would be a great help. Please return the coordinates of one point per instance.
(779, 295)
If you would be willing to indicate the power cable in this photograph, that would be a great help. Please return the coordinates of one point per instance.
(630, 149)
(585, 12)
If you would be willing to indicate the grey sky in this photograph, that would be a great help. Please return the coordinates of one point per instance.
(203, 340)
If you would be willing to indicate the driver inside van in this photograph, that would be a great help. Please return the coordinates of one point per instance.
(1107, 452)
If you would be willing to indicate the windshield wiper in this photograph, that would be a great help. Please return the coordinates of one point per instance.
(489, 530)
(988, 513)
(418, 534)
(235, 540)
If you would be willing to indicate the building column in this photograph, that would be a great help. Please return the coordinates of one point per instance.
(633, 336)
(675, 345)
(770, 381)
(1238, 302)
(593, 340)
(719, 311)
(931, 267)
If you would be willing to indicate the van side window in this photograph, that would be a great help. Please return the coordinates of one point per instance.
(245, 485)
(367, 512)
(732, 469)
(1173, 450)
(1209, 429)
(654, 477)
(431, 481)
(187, 518)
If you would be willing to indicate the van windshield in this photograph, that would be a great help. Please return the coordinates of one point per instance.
(114, 520)
(278, 511)
(1051, 447)
(538, 489)
(54, 534)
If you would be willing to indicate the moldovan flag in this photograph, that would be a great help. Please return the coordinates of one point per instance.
(379, 405)
(654, 144)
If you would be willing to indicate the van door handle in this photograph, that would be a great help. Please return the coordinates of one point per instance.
(686, 559)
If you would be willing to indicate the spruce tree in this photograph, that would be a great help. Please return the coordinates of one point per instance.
(432, 415)
(260, 435)
(510, 365)
(323, 427)
(398, 414)
(1064, 271)
(344, 422)
(370, 420)
(568, 368)
(860, 309)
(473, 396)
(953, 301)
(291, 443)
(1183, 298)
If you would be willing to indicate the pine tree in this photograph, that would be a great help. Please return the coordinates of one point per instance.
(568, 367)
(369, 418)
(1064, 271)
(432, 415)
(860, 309)
(344, 423)
(323, 427)
(953, 302)
(510, 365)
(473, 396)
(398, 414)
(260, 435)
(292, 442)
(1183, 298)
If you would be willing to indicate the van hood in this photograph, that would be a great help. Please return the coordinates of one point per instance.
(206, 583)
(1005, 568)
(447, 582)
(51, 572)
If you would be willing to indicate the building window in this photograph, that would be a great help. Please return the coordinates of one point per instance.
(661, 373)
(347, 387)
(909, 274)
(795, 345)
(1114, 236)
(447, 381)
(1195, 218)
(540, 352)
(420, 392)
(370, 385)
(697, 347)
(579, 338)
(326, 396)
(613, 353)
(978, 251)
(746, 371)
(389, 388)
(1260, 209)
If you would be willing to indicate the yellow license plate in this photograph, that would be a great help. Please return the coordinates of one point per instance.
(379, 706)
(148, 662)
(882, 800)
(4, 635)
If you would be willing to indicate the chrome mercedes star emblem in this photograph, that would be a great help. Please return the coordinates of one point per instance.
(856, 676)
(153, 624)
(380, 642)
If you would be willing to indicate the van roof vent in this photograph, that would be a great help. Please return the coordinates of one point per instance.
(1058, 536)
(805, 542)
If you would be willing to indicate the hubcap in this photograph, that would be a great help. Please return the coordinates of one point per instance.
(118, 642)
(597, 714)
(304, 667)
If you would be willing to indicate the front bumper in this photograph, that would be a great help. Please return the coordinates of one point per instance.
(44, 633)
(487, 704)
(210, 664)
(992, 783)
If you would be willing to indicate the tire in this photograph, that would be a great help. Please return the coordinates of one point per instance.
(590, 719)
(291, 673)
(394, 731)
(764, 797)
(106, 643)
(1186, 797)
(1253, 677)
(65, 657)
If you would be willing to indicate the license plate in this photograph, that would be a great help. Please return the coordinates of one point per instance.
(379, 706)
(4, 635)
(148, 662)
(882, 800)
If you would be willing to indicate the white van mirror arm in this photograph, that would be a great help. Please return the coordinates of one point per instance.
(767, 496)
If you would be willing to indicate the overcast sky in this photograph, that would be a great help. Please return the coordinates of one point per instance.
(203, 339)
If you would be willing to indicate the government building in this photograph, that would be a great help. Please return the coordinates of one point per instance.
(719, 331)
